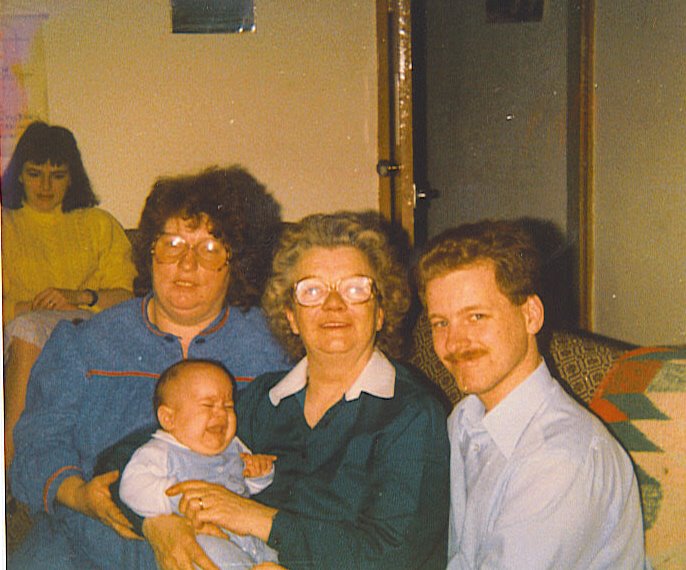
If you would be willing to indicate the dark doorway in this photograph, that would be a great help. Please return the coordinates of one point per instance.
(495, 127)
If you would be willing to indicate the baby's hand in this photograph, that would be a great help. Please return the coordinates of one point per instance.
(257, 465)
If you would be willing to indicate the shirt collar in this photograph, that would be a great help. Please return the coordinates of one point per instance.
(507, 421)
(169, 438)
(377, 379)
(219, 321)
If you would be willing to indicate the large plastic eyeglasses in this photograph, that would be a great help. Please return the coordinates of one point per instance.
(211, 253)
(312, 291)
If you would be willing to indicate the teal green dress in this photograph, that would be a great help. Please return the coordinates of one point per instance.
(367, 487)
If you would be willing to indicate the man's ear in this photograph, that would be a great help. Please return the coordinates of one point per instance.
(290, 315)
(165, 416)
(533, 314)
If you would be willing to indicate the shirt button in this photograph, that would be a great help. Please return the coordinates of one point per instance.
(200, 341)
(169, 338)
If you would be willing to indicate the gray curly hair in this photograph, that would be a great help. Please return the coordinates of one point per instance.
(364, 231)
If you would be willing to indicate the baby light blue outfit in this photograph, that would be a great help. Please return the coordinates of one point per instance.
(163, 461)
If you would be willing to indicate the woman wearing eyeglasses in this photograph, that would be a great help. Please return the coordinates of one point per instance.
(361, 479)
(203, 240)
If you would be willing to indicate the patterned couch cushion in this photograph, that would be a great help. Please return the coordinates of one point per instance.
(643, 401)
(582, 359)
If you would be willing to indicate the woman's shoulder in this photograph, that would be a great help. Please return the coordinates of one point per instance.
(25, 217)
(250, 317)
(258, 388)
(412, 385)
(8, 217)
(108, 330)
(265, 382)
(94, 215)
(249, 327)
(116, 318)
(413, 414)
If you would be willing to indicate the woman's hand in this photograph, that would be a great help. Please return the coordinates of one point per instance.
(58, 299)
(93, 499)
(206, 503)
(172, 539)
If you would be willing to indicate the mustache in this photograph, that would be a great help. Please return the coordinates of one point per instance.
(466, 355)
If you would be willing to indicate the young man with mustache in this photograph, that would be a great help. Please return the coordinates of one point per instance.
(536, 480)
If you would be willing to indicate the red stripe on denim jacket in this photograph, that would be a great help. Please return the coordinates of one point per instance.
(122, 373)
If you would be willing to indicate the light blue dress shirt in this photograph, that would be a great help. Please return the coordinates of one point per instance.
(539, 482)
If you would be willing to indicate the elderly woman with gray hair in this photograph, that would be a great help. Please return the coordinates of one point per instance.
(362, 471)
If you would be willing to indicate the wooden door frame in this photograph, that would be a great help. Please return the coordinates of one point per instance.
(586, 219)
(394, 59)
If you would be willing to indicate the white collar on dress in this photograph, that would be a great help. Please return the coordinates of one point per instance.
(377, 379)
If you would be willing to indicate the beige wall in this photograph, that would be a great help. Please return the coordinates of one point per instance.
(640, 206)
(294, 102)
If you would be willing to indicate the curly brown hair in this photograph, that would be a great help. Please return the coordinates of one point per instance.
(364, 231)
(238, 210)
(506, 243)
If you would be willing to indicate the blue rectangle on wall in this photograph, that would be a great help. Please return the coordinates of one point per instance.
(212, 16)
